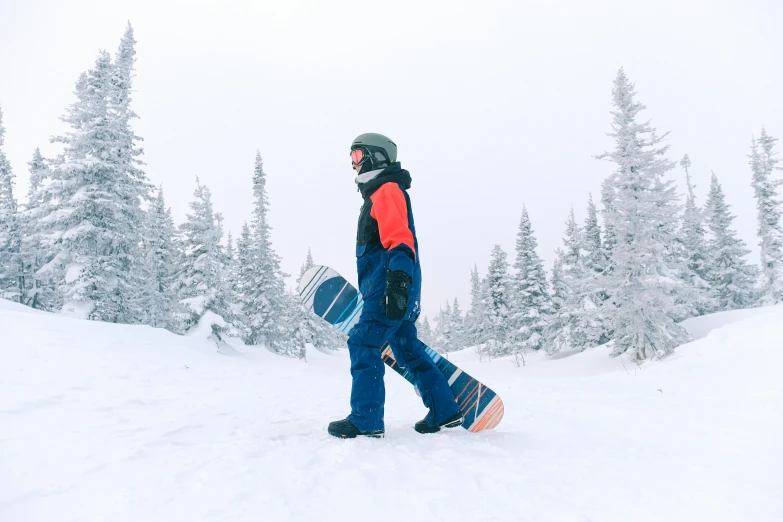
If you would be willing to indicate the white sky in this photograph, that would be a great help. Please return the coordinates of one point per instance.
(492, 104)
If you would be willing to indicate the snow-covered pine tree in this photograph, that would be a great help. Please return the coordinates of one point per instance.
(595, 260)
(555, 334)
(574, 326)
(595, 264)
(134, 186)
(436, 331)
(230, 250)
(266, 313)
(530, 303)
(39, 288)
(458, 333)
(303, 327)
(264, 306)
(485, 328)
(225, 297)
(424, 330)
(242, 283)
(200, 280)
(691, 251)
(498, 306)
(11, 268)
(158, 296)
(640, 284)
(39, 174)
(610, 236)
(308, 264)
(444, 334)
(559, 289)
(732, 279)
(764, 163)
(98, 186)
(230, 278)
(476, 312)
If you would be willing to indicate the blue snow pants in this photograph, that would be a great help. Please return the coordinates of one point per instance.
(368, 393)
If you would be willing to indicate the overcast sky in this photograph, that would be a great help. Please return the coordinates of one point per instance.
(494, 105)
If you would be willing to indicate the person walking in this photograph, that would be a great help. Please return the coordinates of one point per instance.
(387, 258)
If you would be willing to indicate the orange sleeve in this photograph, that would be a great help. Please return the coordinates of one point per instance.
(390, 210)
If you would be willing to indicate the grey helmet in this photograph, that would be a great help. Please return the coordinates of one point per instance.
(380, 150)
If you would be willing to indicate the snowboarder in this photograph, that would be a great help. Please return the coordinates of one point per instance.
(387, 257)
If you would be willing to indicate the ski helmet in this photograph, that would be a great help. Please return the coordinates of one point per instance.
(381, 150)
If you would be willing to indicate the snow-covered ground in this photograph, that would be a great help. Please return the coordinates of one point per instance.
(101, 422)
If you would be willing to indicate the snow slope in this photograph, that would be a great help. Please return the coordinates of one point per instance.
(102, 422)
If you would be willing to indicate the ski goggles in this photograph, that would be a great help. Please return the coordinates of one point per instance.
(358, 156)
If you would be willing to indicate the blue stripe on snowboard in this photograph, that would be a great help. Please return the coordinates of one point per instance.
(358, 309)
(315, 278)
(348, 308)
(319, 280)
(342, 302)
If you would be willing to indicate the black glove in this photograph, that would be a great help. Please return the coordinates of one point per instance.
(396, 296)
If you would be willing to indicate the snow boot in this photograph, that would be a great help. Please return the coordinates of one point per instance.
(452, 422)
(345, 429)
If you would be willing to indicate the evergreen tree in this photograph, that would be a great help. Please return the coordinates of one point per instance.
(559, 288)
(556, 336)
(458, 333)
(610, 236)
(764, 163)
(450, 334)
(7, 201)
(200, 281)
(425, 331)
(225, 297)
(98, 186)
(498, 302)
(732, 279)
(230, 253)
(594, 253)
(436, 331)
(575, 324)
(531, 306)
(485, 328)
(692, 252)
(642, 216)
(243, 279)
(572, 243)
(39, 175)
(158, 296)
(444, 334)
(308, 264)
(475, 324)
(122, 79)
(302, 327)
(11, 275)
(595, 264)
(39, 289)
(266, 314)
(264, 306)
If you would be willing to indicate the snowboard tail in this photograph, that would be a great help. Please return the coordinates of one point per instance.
(325, 292)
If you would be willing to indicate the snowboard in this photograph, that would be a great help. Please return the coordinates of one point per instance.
(327, 294)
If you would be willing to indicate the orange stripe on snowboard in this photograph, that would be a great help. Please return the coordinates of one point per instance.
(490, 417)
